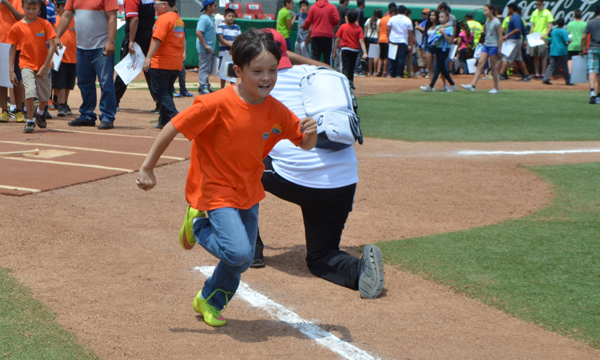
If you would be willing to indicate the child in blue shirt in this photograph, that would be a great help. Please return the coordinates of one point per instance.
(559, 39)
(226, 33)
(205, 44)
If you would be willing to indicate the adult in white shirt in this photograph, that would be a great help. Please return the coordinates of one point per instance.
(323, 183)
(400, 33)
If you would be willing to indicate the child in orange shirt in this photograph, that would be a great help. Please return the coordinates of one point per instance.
(165, 58)
(63, 80)
(30, 35)
(10, 12)
(232, 131)
(352, 40)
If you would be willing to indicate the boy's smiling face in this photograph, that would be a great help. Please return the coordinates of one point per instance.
(258, 78)
(31, 11)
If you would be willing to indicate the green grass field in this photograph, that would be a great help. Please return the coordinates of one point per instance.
(544, 268)
(28, 329)
(480, 117)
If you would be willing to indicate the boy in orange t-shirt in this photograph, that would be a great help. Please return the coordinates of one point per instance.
(232, 131)
(31, 36)
(63, 80)
(10, 12)
(165, 58)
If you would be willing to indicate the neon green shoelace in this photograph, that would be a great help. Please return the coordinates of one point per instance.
(215, 311)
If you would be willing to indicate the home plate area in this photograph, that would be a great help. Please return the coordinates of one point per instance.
(51, 159)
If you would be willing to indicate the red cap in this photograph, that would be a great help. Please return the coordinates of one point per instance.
(285, 62)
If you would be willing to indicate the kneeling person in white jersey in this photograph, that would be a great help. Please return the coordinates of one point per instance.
(323, 183)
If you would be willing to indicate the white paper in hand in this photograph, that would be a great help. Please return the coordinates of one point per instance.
(120, 23)
(214, 71)
(223, 66)
(507, 48)
(535, 39)
(57, 59)
(392, 51)
(373, 51)
(579, 70)
(452, 51)
(4, 72)
(471, 65)
(131, 66)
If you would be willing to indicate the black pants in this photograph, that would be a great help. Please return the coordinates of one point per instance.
(162, 83)
(325, 212)
(321, 46)
(348, 61)
(556, 62)
(440, 67)
(120, 86)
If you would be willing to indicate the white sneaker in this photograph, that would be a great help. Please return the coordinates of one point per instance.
(426, 88)
(494, 91)
(446, 88)
(469, 87)
(451, 88)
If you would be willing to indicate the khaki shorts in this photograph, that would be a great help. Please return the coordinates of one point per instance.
(35, 86)
(540, 51)
(515, 55)
(421, 57)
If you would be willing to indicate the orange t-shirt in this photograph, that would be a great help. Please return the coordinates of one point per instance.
(383, 37)
(31, 39)
(7, 19)
(169, 29)
(230, 140)
(69, 40)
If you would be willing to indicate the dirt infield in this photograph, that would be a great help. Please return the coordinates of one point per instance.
(105, 256)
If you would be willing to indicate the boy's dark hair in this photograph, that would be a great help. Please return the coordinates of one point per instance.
(31, 2)
(560, 22)
(171, 3)
(352, 16)
(285, 2)
(342, 2)
(229, 11)
(393, 10)
(408, 12)
(390, 5)
(499, 10)
(577, 14)
(303, 2)
(360, 3)
(469, 16)
(514, 7)
(402, 9)
(442, 6)
(252, 43)
(597, 10)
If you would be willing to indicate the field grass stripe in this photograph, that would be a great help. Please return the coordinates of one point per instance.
(281, 313)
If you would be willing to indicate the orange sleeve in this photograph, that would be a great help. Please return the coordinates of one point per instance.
(193, 120)
(69, 5)
(13, 35)
(292, 131)
(161, 30)
(49, 30)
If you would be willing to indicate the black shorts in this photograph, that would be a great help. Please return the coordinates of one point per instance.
(573, 53)
(383, 50)
(17, 69)
(65, 77)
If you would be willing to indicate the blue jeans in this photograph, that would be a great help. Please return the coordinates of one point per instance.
(90, 63)
(396, 67)
(229, 234)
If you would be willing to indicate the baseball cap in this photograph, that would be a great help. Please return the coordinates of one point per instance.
(426, 10)
(58, 2)
(285, 62)
(205, 3)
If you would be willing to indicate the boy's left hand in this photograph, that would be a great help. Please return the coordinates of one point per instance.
(365, 56)
(42, 71)
(308, 126)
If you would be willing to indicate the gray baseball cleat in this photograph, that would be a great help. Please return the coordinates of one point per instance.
(370, 280)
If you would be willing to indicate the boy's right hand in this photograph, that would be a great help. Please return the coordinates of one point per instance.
(208, 49)
(146, 180)
(58, 43)
(13, 78)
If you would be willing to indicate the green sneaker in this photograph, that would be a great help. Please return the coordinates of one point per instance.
(211, 315)
(186, 234)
